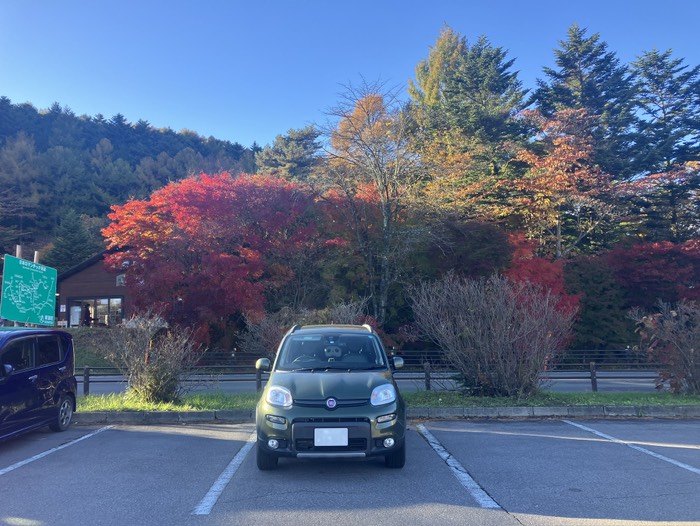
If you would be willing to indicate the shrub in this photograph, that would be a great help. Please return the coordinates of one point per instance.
(497, 333)
(672, 337)
(152, 356)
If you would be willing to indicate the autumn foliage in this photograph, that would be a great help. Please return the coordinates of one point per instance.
(545, 272)
(207, 247)
(653, 272)
(562, 185)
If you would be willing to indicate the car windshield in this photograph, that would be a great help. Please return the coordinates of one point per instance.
(330, 351)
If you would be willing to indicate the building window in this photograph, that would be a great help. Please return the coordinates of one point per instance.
(95, 312)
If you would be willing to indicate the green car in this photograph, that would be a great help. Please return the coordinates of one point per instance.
(331, 394)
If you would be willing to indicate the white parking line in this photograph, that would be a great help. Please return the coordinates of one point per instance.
(477, 492)
(635, 447)
(207, 503)
(49, 451)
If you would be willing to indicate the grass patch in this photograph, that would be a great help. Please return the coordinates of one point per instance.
(547, 398)
(247, 401)
(192, 402)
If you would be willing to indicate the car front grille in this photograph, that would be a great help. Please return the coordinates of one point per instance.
(307, 445)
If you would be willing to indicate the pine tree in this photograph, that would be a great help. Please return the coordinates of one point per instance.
(292, 156)
(590, 77)
(466, 101)
(669, 137)
(470, 90)
(73, 244)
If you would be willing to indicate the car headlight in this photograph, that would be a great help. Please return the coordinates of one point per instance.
(383, 394)
(279, 396)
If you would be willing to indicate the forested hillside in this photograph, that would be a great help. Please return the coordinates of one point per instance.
(58, 167)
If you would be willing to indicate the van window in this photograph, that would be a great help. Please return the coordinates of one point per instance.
(48, 350)
(19, 354)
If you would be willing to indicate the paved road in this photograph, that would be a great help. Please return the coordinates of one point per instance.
(638, 382)
(531, 473)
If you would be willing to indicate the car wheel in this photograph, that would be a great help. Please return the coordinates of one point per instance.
(65, 414)
(266, 461)
(397, 459)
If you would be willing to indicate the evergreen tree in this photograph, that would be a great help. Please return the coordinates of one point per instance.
(20, 180)
(602, 321)
(590, 77)
(73, 244)
(669, 136)
(466, 101)
(293, 155)
(472, 91)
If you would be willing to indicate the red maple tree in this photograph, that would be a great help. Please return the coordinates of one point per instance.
(545, 272)
(654, 272)
(207, 247)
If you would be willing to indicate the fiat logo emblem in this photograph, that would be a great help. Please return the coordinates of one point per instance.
(331, 403)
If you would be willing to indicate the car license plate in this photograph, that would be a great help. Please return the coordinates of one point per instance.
(334, 436)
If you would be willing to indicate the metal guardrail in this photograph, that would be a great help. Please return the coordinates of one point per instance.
(428, 366)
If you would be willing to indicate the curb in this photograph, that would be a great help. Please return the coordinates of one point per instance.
(442, 413)
(164, 417)
(596, 411)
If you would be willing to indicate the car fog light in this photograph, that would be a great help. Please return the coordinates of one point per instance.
(389, 442)
(386, 418)
(274, 444)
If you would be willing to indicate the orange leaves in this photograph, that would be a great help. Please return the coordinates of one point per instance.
(562, 165)
(562, 183)
(367, 123)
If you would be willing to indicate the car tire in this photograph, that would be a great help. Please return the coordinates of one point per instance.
(65, 414)
(397, 459)
(266, 461)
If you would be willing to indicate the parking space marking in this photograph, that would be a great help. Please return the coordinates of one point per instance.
(207, 503)
(635, 447)
(477, 492)
(49, 451)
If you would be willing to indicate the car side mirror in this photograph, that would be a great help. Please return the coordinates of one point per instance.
(398, 362)
(7, 369)
(263, 364)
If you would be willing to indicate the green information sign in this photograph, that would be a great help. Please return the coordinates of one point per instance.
(28, 292)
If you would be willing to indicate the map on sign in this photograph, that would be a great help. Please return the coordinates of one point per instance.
(28, 292)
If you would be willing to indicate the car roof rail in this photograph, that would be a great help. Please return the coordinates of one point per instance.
(368, 327)
(294, 328)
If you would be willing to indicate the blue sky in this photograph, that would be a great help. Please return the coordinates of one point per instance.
(249, 71)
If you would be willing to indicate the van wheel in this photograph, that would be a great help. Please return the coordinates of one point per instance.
(65, 414)
(266, 461)
(397, 459)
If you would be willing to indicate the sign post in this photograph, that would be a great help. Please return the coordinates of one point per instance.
(28, 292)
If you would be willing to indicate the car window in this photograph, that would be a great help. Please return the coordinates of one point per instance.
(348, 351)
(19, 354)
(48, 350)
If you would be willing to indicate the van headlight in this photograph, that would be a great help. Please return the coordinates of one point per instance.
(279, 396)
(383, 394)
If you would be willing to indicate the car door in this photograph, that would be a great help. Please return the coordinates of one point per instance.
(50, 373)
(19, 397)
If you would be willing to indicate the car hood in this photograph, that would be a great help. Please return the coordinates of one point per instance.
(340, 384)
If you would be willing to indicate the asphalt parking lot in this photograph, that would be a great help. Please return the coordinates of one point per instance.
(467, 472)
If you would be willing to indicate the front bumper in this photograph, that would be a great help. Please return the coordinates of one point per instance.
(296, 436)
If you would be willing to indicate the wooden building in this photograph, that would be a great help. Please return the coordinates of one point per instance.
(89, 295)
